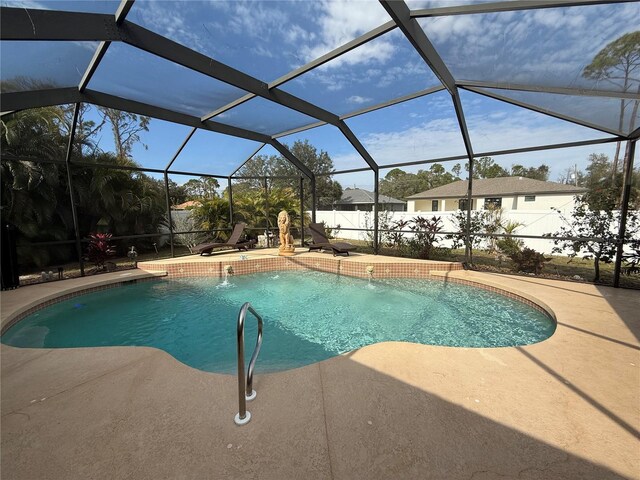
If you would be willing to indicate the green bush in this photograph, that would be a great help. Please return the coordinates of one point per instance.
(425, 238)
(528, 260)
(509, 246)
(441, 253)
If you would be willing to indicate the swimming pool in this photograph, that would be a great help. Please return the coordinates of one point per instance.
(309, 316)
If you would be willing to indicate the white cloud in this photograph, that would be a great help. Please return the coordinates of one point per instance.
(436, 138)
(358, 99)
(342, 21)
(398, 73)
(297, 34)
(547, 46)
(442, 138)
(258, 19)
(159, 17)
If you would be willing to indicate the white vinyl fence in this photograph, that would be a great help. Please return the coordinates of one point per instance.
(534, 223)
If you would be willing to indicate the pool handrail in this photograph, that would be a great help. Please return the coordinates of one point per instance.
(245, 384)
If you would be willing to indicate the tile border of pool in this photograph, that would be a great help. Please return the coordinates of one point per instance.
(349, 266)
(214, 268)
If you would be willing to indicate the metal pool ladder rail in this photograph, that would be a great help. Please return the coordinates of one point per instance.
(245, 387)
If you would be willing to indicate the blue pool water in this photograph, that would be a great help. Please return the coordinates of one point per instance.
(308, 316)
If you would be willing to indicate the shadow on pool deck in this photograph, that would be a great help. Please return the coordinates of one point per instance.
(136, 413)
(383, 428)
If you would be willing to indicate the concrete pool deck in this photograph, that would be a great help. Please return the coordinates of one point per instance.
(565, 408)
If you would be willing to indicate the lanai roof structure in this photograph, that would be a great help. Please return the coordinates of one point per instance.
(184, 63)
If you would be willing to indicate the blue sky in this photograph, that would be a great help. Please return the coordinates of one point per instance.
(267, 39)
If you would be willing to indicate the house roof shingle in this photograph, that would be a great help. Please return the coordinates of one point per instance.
(497, 186)
(351, 196)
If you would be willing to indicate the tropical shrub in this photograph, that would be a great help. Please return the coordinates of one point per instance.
(528, 260)
(261, 211)
(35, 196)
(100, 249)
(397, 238)
(425, 235)
(509, 245)
(252, 207)
(212, 214)
(477, 225)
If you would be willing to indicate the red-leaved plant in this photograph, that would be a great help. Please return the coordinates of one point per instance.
(100, 249)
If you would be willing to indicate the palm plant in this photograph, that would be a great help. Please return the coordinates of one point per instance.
(34, 195)
(251, 208)
(212, 214)
(510, 245)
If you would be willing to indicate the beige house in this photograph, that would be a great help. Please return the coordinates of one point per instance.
(510, 193)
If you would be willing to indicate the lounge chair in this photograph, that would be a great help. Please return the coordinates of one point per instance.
(233, 242)
(321, 242)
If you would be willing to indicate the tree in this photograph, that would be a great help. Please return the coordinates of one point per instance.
(493, 224)
(602, 190)
(477, 225)
(328, 191)
(117, 201)
(537, 173)
(486, 167)
(510, 245)
(261, 211)
(201, 188)
(86, 130)
(126, 128)
(177, 193)
(572, 176)
(594, 233)
(34, 195)
(400, 184)
(394, 174)
(618, 64)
